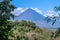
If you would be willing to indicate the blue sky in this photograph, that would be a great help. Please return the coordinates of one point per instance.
(42, 5)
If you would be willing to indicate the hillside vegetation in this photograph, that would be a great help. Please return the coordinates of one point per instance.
(26, 30)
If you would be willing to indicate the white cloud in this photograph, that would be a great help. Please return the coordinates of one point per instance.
(45, 15)
(50, 13)
(18, 11)
(37, 10)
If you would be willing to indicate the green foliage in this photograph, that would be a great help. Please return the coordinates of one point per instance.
(25, 23)
(5, 13)
(4, 30)
(53, 19)
(23, 31)
(57, 33)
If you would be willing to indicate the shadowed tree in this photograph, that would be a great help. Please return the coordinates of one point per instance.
(31, 24)
(57, 33)
(5, 14)
(5, 11)
(57, 8)
(53, 19)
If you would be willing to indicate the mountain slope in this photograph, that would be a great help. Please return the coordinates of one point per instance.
(32, 15)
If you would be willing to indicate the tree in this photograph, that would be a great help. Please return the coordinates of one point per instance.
(53, 19)
(5, 14)
(5, 11)
(31, 24)
(57, 8)
(57, 33)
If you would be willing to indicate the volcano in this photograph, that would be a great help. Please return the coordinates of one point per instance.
(32, 15)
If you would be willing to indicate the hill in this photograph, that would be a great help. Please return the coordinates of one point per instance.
(26, 30)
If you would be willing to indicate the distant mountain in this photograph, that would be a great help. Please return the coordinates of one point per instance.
(32, 15)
